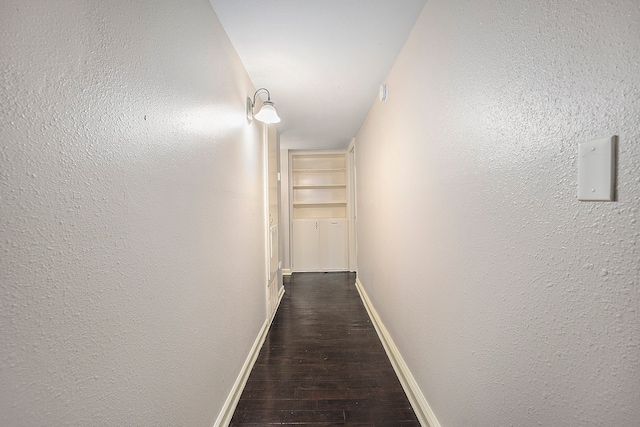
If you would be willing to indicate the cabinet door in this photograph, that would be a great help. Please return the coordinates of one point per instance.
(306, 245)
(333, 244)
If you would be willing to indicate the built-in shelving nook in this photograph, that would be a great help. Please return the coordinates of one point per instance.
(319, 211)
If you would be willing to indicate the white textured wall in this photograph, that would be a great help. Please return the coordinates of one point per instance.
(131, 217)
(512, 303)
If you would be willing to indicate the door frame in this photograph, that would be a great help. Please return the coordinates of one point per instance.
(352, 207)
(273, 275)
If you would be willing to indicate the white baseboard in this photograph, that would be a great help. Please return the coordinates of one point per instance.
(286, 272)
(229, 407)
(280, 295)
(420, 406)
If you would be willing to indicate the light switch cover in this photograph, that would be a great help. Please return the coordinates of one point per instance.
(596, 169)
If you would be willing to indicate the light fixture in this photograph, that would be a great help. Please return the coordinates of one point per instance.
(267, 113)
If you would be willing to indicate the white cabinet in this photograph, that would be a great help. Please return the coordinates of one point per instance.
(333, 244)
(318, 185)
(306, 244)
(320, 245)
(318, 192)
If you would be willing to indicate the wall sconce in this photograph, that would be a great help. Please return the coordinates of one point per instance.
(267, 113)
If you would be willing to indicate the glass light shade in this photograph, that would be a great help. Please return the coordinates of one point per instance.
(268, 114)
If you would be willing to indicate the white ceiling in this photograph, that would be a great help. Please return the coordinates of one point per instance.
(323, 61)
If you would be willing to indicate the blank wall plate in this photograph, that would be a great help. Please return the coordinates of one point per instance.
(596, 169)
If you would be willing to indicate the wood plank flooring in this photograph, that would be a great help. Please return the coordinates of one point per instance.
(322, 363)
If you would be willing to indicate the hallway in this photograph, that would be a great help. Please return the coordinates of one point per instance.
(143, 234)
(322, 363)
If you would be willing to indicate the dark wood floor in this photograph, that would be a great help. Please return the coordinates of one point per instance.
(322, 363)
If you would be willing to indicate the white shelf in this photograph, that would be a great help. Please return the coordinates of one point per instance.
(318, 185)
(321, 186)
(319, 170)
(333, 202)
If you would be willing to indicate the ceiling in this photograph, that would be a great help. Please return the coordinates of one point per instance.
(322, 61)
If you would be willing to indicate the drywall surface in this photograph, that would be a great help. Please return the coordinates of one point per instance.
(132, 214)
(512, 303)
